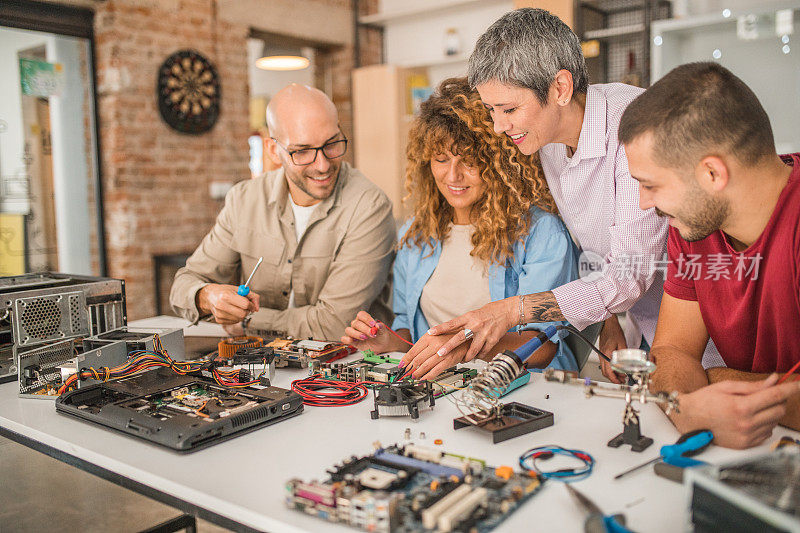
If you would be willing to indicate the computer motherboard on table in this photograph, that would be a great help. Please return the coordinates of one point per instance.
(382, 368)
(411, 488)
(299, 353)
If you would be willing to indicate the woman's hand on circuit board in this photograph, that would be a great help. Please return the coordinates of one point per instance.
(426, 364)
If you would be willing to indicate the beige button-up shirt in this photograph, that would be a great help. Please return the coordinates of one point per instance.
(340, 266)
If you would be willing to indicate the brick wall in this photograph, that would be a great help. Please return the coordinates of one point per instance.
(155, 180)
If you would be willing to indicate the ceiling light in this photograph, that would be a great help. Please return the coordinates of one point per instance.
(273, 58)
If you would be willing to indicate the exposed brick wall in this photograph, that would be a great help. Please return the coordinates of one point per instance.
(155, 180)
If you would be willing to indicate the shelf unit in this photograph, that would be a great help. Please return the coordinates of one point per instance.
(450, 60)
(622, 28)
(756, 61)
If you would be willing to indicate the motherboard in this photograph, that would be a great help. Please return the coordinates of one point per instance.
(298, 353)
(383, 369)
(410, 488)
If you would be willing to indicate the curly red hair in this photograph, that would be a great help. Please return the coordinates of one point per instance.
(454, 119)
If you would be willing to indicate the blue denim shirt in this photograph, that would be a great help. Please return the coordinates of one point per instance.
(546, 259)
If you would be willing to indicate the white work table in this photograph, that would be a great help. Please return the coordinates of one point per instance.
(240, 483)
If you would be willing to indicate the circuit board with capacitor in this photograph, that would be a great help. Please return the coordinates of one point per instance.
(414, 488)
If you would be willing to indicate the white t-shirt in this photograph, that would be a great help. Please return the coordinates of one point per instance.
(460, 282)
(302, 214)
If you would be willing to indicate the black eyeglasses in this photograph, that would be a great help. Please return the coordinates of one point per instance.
(306, 156)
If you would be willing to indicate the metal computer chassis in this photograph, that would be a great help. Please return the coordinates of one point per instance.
(43, 369)
(43, 308)
(760, 493)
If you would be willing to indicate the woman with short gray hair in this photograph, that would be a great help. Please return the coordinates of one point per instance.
(530, 72)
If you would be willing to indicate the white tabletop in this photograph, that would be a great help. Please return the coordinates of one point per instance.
(243, 478)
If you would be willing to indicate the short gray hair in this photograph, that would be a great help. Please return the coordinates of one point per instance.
(527, 47)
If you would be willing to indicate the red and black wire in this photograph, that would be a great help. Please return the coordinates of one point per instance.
(319, 392)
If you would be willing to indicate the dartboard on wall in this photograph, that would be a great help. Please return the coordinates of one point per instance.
(188, 92)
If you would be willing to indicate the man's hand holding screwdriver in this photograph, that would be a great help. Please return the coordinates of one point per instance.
(228, 304)
(225, 304)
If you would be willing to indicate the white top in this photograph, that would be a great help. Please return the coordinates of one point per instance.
(302, 214)
(460, 282)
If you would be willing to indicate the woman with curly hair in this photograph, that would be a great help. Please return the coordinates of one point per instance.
(483, 229)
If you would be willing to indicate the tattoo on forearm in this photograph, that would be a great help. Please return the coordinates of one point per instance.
(541, 307)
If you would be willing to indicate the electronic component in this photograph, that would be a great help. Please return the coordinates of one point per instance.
(759, 493)
(183, 412)
(45, 308)
(226, 348)
(384, 369)
(404, 398)
(258, 362)
(141, 339)
(371, 367)
(452, 380)
(302, 353)
(410, 488)
(508, 421)
(40, 369)
(43, 370)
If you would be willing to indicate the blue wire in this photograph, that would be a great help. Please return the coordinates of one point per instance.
(568, 477)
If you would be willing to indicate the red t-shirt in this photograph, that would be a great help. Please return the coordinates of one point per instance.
(750, 301)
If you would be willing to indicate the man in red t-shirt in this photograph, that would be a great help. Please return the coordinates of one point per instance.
(701, 147)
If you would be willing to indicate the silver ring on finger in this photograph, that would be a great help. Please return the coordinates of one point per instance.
(468, 334)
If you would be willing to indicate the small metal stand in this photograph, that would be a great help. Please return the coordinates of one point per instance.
(636, 365)
(631, 433)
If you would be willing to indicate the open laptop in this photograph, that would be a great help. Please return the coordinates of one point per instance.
(185, 413)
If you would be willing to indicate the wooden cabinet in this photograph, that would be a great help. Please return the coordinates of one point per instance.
(563, 9)
(380, 124)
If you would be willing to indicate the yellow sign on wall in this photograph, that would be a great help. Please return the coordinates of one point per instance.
(12, 244)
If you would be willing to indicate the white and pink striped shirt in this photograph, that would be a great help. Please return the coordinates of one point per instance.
(599, 202)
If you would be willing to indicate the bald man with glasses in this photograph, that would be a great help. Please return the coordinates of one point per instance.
(326, 234)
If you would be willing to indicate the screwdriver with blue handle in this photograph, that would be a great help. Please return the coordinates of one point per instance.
(244, 290)
(597, 522)
(680, 454)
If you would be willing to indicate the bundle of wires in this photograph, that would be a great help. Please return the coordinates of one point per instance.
(397, 378)
(528, 462)
(139, 360)
(320, 392)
